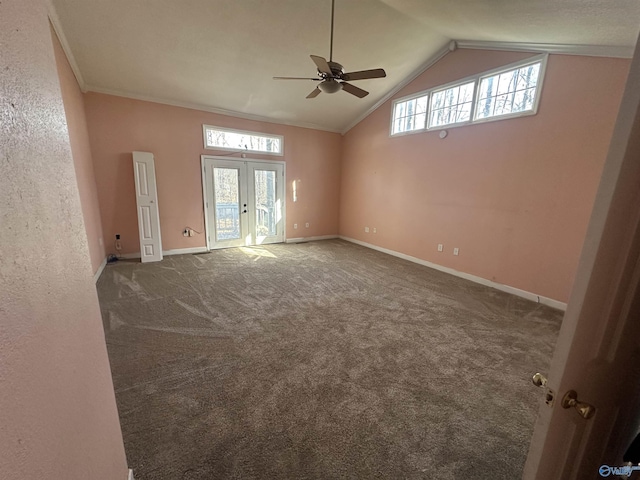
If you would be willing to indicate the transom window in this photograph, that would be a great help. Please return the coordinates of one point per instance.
(508, 92)
(410, 114)
(218, 138)
(452, 105)
(511, 91)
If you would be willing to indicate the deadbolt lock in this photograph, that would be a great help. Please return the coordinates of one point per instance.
(585, 410)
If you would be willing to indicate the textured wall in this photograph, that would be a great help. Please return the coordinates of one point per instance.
(79, 139)
(118, 126)
(513, 195)
(58, 417)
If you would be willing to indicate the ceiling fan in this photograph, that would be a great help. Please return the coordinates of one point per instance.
(332, 76)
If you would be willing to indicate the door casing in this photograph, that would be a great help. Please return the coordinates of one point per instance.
(206, 162)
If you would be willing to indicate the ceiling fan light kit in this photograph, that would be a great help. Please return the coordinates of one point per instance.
(332, 76)
(330, 86)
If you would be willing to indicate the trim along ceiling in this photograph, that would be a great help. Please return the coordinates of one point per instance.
(221, 55)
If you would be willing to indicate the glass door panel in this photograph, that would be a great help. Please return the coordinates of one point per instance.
(226, 188)
(244, 202)
(265, 185)
(226, 203)
(267, 197)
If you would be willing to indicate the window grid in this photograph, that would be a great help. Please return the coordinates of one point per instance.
(445, 110)
(410, 114)
(226, 139)
(515, 92)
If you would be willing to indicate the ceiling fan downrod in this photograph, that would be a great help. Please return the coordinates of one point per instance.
(333, 4)
(331, 76)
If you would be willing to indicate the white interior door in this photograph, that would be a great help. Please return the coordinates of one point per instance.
(244, 202)
(147, 204)
(598, 351)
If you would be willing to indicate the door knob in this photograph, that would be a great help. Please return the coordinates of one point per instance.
(585, 410)
(539, 380)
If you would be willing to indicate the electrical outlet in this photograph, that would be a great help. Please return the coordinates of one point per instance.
(191, 233)
(295, 226)
(456, 251)
(306, 225)
(185, 232)
(440, 247)
(117, 236)
(375, 230)
(366, 229)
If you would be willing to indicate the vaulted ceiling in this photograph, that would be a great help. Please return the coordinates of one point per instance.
(222, 54)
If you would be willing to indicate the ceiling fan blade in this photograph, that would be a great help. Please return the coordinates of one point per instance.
(296, 78)
(315, 93)
(364, 74)
(322, 64)
(353, 90)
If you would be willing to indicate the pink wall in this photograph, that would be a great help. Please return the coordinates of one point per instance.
(513, 195)
(118, 126)
(81, 150)
(58, 416)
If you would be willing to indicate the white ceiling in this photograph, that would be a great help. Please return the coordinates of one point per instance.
(221, 54)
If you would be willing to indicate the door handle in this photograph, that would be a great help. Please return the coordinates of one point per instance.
(585, 410)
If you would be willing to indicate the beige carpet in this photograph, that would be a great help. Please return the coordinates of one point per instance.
(322, 360)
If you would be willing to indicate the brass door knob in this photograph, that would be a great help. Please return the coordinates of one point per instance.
(539, 380)
(585, 410)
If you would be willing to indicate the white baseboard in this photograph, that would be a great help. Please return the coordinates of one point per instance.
(467, 276)
(130, 476)
(96, 276)
(175, 251)
(310, 239)
(184, 251)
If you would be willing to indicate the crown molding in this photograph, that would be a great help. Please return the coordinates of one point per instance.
(57, 27)
(449, 47)
(206, 108)
(554, 48)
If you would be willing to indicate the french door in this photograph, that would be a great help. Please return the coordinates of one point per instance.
(244, 202)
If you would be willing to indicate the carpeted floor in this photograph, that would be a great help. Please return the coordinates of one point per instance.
(322, 360)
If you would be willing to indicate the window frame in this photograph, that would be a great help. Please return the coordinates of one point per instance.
(447, 86)
(407, 99)
(476, 79)
(542, 59)
(205, 127)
